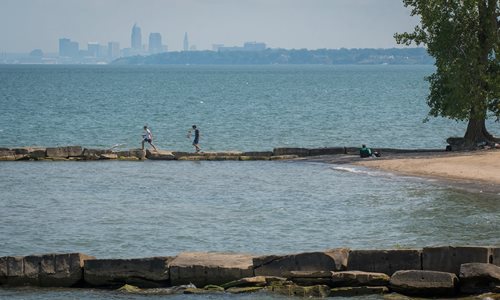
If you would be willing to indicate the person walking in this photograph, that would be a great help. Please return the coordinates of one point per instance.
(147, 136)
(196, 139)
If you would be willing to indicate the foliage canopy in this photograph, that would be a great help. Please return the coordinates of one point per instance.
(463, 37)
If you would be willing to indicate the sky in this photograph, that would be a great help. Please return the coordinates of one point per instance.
(291, 24)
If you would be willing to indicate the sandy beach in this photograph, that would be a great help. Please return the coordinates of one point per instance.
(482, 167)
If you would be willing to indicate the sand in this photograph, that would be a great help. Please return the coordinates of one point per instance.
(479, 166)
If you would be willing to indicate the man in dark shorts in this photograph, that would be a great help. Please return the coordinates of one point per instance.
(196, 138)
(147, 136)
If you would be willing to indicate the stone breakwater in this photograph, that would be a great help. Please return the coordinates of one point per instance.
(429, 272)
(79, 153)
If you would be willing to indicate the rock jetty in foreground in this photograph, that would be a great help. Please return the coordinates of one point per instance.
(79, 153)
(335, 272)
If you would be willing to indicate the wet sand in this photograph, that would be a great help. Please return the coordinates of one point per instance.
(481, 167)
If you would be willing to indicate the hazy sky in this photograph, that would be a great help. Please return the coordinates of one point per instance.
(29, 24)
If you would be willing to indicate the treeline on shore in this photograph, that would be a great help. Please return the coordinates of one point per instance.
(396, 56)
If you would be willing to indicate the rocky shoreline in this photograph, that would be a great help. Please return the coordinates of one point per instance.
(79, 153)
(444, 271)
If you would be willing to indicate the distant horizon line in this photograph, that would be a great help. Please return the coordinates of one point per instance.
(278, 48)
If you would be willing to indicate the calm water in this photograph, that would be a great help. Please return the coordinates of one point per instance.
(242, 108)
(138, 209)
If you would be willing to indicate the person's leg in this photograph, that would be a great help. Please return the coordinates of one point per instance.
(142, 144)
(154, 147)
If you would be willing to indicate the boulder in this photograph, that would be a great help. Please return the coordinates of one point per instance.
(358, 291)
(64, 152)
(301, 291)
(249, 158)
(384, 261)
(244, 290)
(284, 157)
(159, 155)
(495, 256)
(132, 154)
(222, 157)
(327, 151)
(449, 259)
(278, 265)
(7, 154)
(12, 270)
(291, 151)
(309, 278)
(359, 278)
(143, 272)
(478, 278)
(192, 158)
(424, 283)
(48, 270)
(257, 153)
(202, 268)
(94, 154)
(37, 153)
(179, 154)
(257, 281)
(62, 270)
(34, 153)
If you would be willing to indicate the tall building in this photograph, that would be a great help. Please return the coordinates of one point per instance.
(155, 45)
(68, 48)
(186, 42)
(113, 50)
(136, 38)
(93, 49)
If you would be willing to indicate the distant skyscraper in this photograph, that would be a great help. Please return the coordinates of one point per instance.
(155, 45)
(186, 42)
(93, 49)
(113, 50)
(136, 38)
(67, 48)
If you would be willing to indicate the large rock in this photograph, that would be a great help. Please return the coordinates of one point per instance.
(95, 154)
(359, 278)
(201, 268)
(48, 270)
(424, 283)
(384, 261)
(11, 270)
(327, 151)
(358, 291)
(449, 259)
(34, 153)
(309, 278)
(132, 154)
(256, 281)
(150, 272)
(160, 155)
(317, 291)
(7, 154)
(64, 152)
(495, 256)
(478, 278)
(62, 270)
(291, 151)
(279, 265)
(258, 153)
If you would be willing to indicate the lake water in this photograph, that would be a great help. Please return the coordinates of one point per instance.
(236, 107)
(118, 209)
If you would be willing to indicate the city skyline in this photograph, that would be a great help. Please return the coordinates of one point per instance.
(293, 24)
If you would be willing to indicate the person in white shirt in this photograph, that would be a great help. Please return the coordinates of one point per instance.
(147, 136)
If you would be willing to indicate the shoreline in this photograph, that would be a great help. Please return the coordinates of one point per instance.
(477, 171)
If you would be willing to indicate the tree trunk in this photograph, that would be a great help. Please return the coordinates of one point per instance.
(477, 133)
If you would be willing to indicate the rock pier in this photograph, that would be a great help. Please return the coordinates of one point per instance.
(79, 153)
(445, 271)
